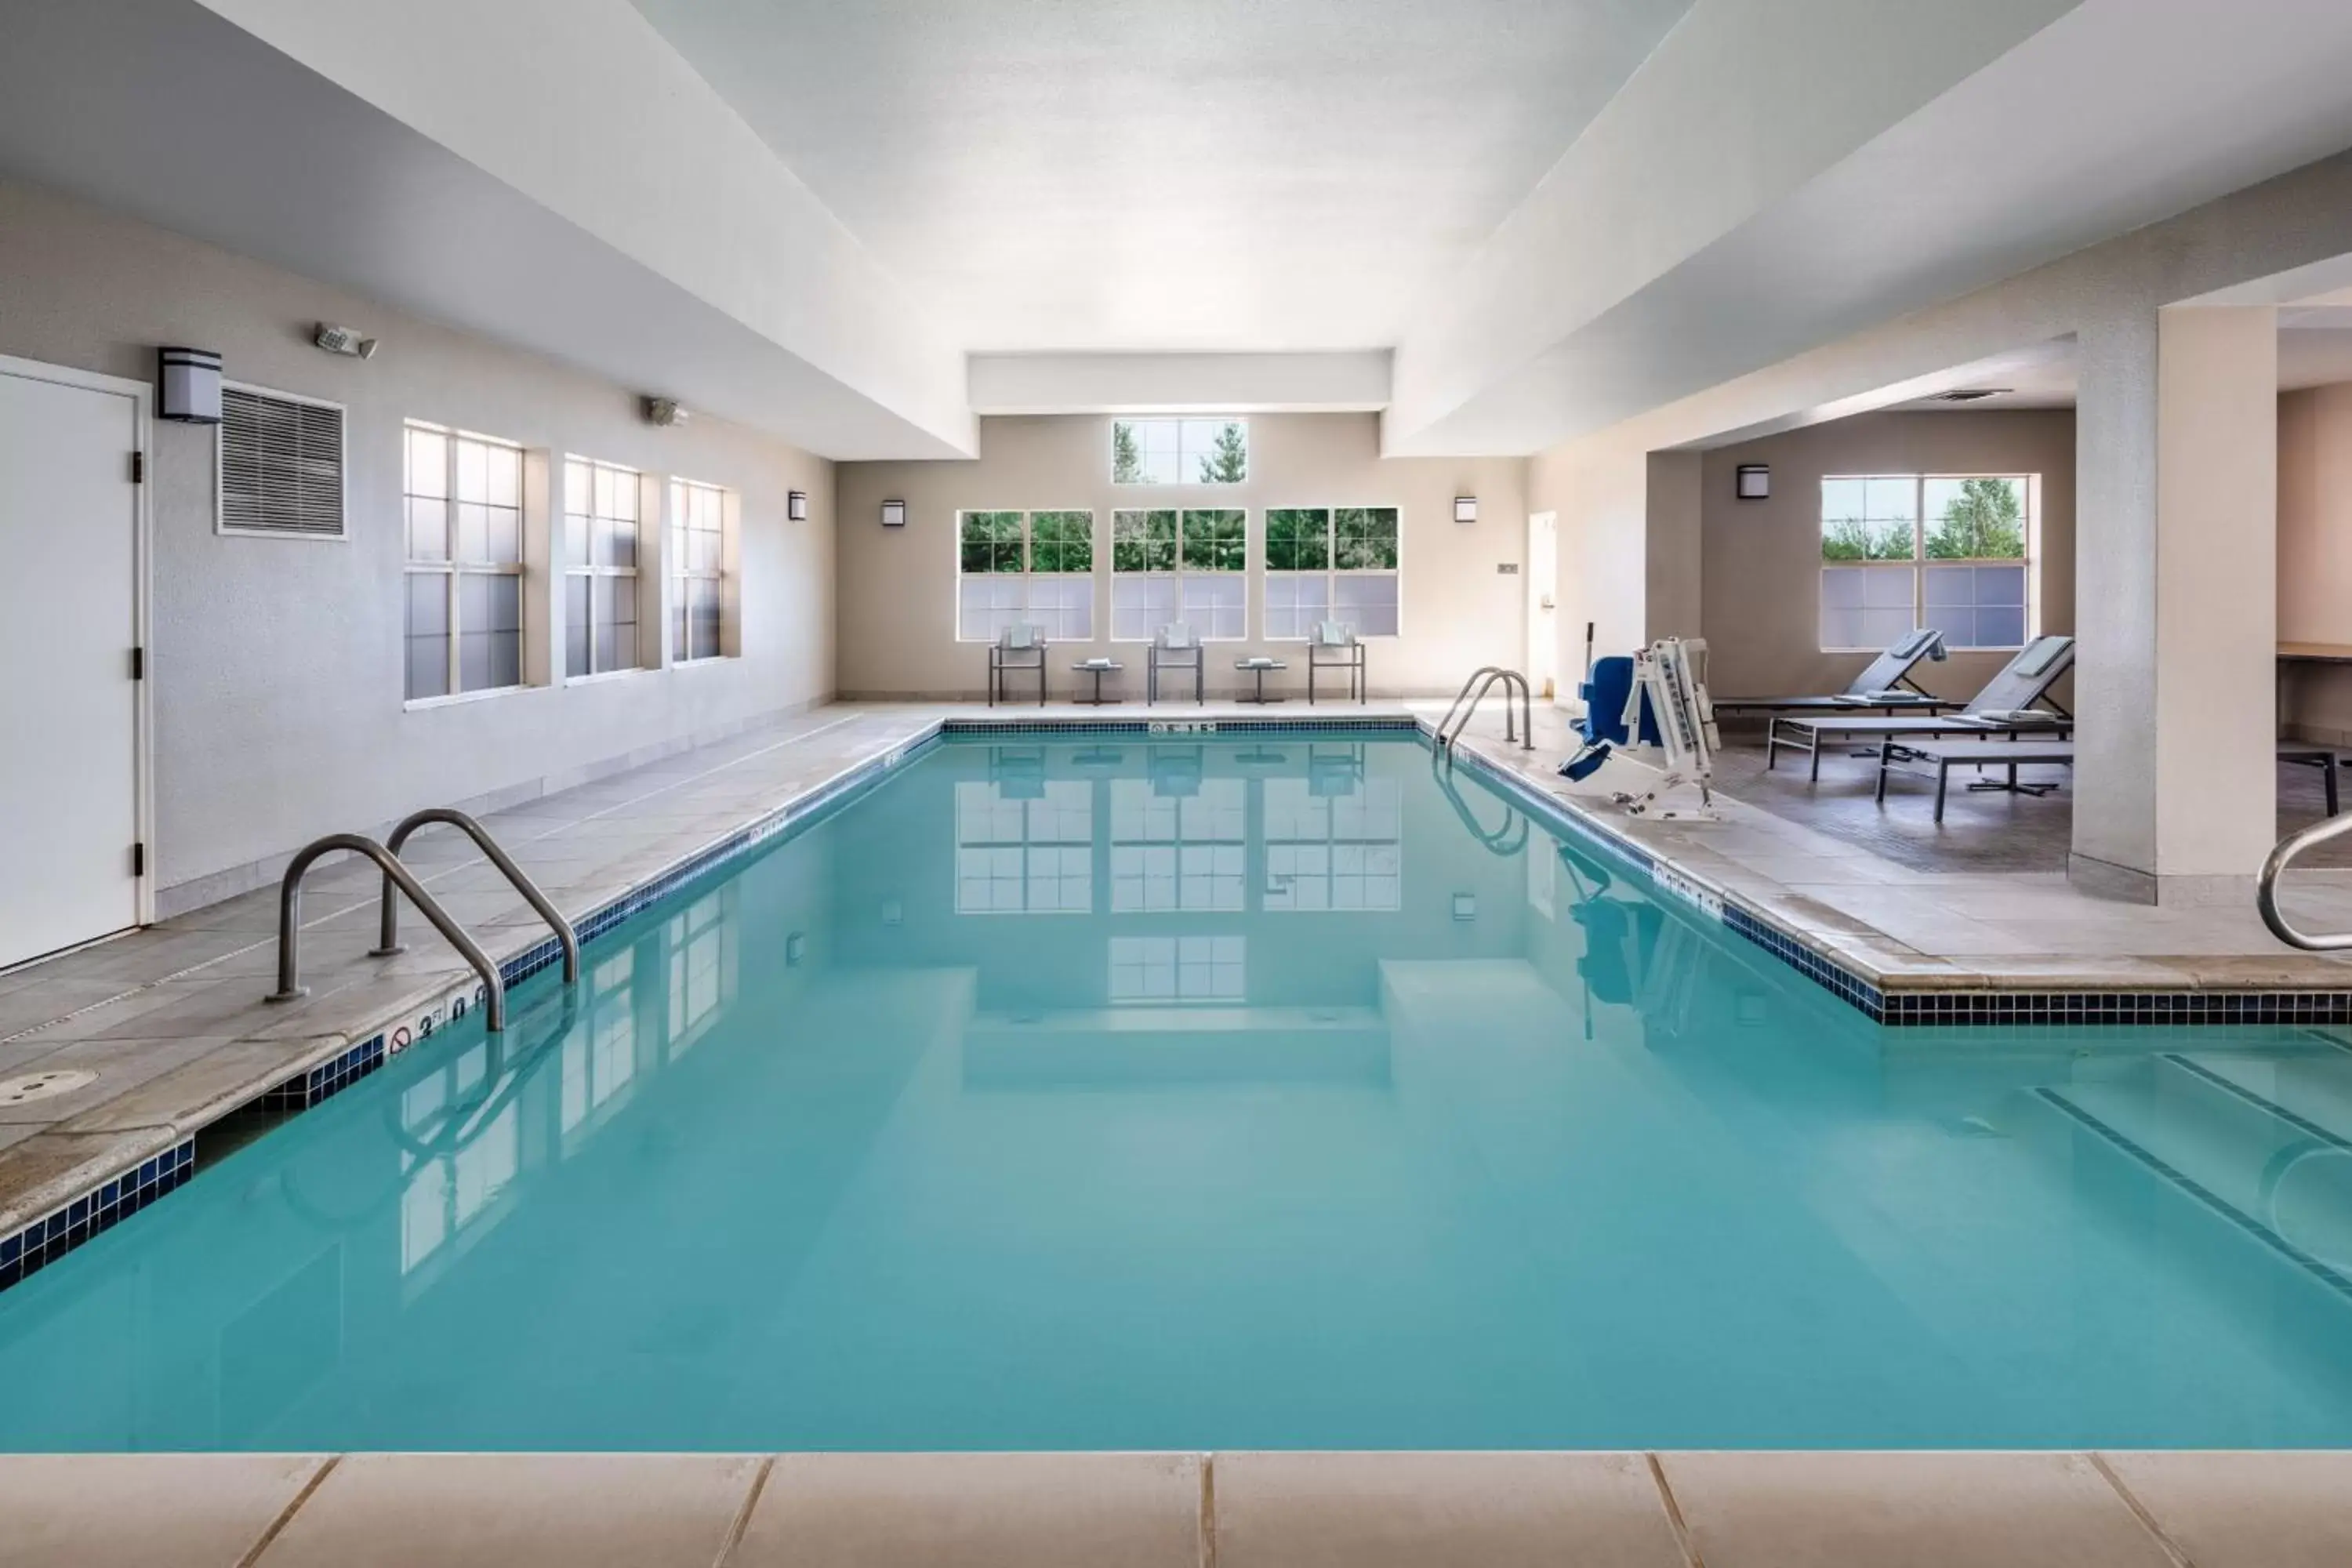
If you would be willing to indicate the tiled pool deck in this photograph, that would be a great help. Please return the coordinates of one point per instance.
(1180, 1511)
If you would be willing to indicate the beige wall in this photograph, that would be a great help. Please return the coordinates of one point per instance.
(276, 664)
(2314, 553)
(897, 586)
(1761, 561)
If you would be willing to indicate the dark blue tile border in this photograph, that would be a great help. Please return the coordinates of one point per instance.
(71, 1224)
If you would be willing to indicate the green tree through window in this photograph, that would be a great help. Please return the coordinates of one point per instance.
(1985, 522)
(1126, 458)
(1227, 463)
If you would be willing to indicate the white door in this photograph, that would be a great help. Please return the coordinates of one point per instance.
(68, 704)
(1543, 615)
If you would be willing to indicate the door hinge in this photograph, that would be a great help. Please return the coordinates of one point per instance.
(138, 859)
(137, 664)
(138, 467)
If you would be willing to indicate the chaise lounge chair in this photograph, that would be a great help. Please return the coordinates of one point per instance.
(2015, 702)
(1884, 685)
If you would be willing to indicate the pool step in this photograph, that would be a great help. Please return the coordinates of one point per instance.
(2280, 1172)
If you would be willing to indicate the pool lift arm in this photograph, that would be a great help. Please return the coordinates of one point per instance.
(1670, 681)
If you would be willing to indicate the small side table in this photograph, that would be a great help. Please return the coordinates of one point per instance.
(1258, 666)
(1098, 668)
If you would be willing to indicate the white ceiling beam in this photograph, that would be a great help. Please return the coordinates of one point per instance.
(1180, 383)
(1740, 105)
(582, 108)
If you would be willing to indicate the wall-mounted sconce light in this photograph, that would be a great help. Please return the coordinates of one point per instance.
(1466, 508)
(894, 515)
(1465, 905)
(1754, 481)
(188, 385)
(796, 506)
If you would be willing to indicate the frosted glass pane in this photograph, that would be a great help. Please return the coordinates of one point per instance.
(1841, 628)
(428, 668)
(473, 472)
(1368, 604)
(506, 536)
(428, 529)
(579, 488)
(428, 463)
(473, 531)
(428, 603)
(2000, 627)
(1841, 588)
(1888, 589)
(1139, 606)
(2000, 585)
(1880, 627)
(1213, 604)
(505, 470)
(575, 626)
(1950, 585)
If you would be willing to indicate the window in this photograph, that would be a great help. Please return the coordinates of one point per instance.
(1179, 451)
(600, 567)
(1334, 564)
(1186, 566)
(698, 553)
(463, 498)
(1948, 552)
(1034, 567)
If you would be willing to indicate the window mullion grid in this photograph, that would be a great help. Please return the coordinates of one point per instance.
(449, 488)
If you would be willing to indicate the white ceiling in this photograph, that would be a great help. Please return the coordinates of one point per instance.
(1169, 174)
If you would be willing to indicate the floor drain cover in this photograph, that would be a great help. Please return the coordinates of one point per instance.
(42, 1085)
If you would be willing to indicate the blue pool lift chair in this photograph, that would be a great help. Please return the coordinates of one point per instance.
(1019, 650)
(1174, 646)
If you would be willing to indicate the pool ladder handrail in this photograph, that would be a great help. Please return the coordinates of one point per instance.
(398, 877)
(2266, 887)
(1473, 691)
(388, 941)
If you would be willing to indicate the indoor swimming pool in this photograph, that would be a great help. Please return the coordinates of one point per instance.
(1260, 1091)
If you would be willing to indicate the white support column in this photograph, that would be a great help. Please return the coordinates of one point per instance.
(2177, 604)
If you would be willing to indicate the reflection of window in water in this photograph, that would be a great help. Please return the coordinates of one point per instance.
(1178, 968)
(477, 1126)
(698, 942)
(601, 1055)
(1024, 846)
(1171, 852)
(1332, 851)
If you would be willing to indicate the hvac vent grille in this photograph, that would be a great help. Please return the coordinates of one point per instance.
(281, 465)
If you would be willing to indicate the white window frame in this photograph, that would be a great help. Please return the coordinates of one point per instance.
(343, 471)
(1029, 573)
(593, 572)
(1185, 466)
(1177, 575)
(679, 568)
(2030, 486)
(456, 570)
(1334, 572)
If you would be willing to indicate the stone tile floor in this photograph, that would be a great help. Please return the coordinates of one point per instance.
(1182, 1511)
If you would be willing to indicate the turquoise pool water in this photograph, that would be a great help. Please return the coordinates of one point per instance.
(1160, 1095)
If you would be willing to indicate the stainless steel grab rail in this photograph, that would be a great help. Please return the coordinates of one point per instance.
(1500, 841)
(289, 921)
(1473, 691)
(2266, 887)
(388, 932)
